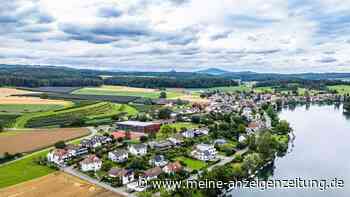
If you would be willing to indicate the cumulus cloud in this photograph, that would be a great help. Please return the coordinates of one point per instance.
(257, 35)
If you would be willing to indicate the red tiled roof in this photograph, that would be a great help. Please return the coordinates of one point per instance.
(91, 159)
(174, 167)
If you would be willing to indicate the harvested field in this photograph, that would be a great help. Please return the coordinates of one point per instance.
(56, 184)
(7, 96)
(20, 141)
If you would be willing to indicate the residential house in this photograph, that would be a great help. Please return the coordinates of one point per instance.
(255, 126)
(152, 173)
(158, 160)
(91, 163)
(204, 152)
(162, 145)
(173, 167)
(138, 149)
(58, 156)
(126, 175)
(118, 156)
(76, 150)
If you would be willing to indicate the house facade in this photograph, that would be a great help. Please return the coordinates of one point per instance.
(91, 163)
(118, 156)
(204, 152)
(138, 149)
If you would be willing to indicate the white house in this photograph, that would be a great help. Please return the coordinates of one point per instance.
(242, 139)
(138, 149)
(118, 156)
(91, 163)
(158, 160)
(204, 152)
(126, 176)
(58, 156)
(76, 150)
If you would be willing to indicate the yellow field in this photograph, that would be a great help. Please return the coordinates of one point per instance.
(8, 96)
(56, 184)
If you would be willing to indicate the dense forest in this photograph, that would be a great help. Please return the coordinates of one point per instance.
(41, 76)
(310, 84)
(179, 82)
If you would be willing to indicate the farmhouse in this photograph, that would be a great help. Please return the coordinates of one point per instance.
(118, 156)
(137, 126)
(204, 152)
(138, 149)
(91, 163)
(126, 176)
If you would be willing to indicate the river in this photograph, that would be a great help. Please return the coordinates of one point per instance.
(320, 151)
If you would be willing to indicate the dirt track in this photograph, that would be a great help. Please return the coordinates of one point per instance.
(57, 184)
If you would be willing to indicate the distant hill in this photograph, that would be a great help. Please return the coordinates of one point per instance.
(213, 71)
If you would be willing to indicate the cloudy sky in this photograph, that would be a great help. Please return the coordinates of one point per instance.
(258, 35)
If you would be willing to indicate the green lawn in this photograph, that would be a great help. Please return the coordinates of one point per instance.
(180, 125)
(191, 163)
(24, 108)
(341, 89)
(123, 91)
(23, 170)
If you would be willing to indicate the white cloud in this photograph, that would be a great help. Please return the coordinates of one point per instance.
(258, 35)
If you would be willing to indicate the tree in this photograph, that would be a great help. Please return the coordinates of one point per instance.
(251, 162)
(282, 127)
(163, 95)
(44, 96)
(1, 128)
(266, 145)
(196, 119)
(143, 139)
(60, 144)
(164, 113)
(166, 131)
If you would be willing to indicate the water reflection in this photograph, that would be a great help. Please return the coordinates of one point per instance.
(320, 151)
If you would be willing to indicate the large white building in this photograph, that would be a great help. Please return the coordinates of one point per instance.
(204, 152)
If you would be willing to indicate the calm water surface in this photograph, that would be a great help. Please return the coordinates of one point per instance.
(321, 151)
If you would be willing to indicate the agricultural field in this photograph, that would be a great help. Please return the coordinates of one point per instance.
(341, 89)
(23, 170)
(31, 140)
(57, 184)
(127, 91)
(27, 108)
(192, 163)
(69, 116)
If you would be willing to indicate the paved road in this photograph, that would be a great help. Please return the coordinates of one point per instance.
(120, 190)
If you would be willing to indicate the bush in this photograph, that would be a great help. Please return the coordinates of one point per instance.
(60, 144)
